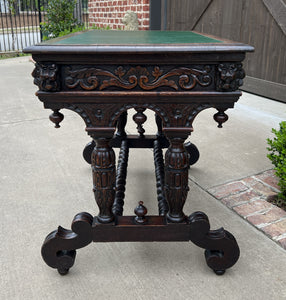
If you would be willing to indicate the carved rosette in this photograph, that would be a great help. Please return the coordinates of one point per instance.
(229, 77)
(104, 172)
(129, 78)
(176, 177)
(46, 77)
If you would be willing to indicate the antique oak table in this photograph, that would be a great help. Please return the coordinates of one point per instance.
(101, 75)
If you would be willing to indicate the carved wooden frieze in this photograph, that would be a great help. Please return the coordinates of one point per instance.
(229, 77)
(177, 115)
(106, 115)
(46, 77)
(137, 77)
(88, 78)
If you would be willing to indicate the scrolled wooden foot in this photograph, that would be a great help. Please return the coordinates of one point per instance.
(222, 251)
(58, 250)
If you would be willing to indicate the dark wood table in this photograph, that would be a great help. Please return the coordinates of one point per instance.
(101, 75)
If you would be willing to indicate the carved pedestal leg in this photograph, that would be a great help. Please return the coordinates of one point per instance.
(176, 173)
(103, 169)
(222, 251)
(58, 250)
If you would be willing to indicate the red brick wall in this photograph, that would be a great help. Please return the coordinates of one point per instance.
(104, 13)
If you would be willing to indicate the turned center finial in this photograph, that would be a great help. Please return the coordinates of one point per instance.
(140, 212)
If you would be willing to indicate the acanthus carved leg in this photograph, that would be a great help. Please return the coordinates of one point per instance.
(222, 251)
(58, 250)
(176, 173)
(104, 176)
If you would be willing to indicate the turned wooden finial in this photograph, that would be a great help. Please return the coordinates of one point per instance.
(140, 212)
(140, 118)
(220, 117)
(56, 117)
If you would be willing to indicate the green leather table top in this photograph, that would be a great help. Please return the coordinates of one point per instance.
(117, 37)
(133, 42)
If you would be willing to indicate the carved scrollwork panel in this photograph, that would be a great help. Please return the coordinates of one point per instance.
(137, 77)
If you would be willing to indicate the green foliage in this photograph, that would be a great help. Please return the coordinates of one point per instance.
(12, 55)
(13, 6)
(101, 28)
(82, 28)
(76, 29)
(277, 156)
(59, 18)
(29, 5)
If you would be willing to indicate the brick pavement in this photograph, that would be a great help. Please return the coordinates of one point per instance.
(248, 198)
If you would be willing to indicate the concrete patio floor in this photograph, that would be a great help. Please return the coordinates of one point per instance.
(45, 182)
